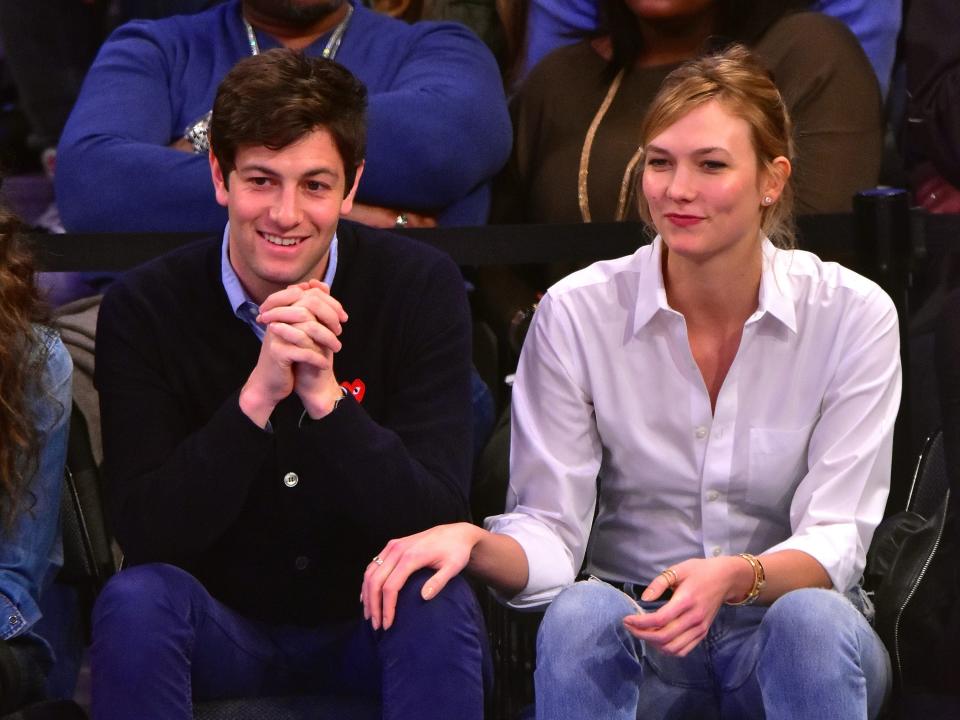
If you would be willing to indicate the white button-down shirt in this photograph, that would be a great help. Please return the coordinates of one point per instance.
(607, 396)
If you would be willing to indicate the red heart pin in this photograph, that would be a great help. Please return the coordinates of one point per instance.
(357, 389)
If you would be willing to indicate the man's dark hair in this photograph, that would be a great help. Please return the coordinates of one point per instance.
(277, 97)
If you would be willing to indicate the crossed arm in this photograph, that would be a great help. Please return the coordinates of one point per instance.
(153, 78)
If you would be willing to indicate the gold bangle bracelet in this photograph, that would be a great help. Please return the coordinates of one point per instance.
(759, 580)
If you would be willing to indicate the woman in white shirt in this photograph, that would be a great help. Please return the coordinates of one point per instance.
(706, 426)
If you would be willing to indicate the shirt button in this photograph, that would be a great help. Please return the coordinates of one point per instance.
(291, 479)
(717, 551)
(700, 432)
(13, 620)
(712, 496)
(301, 562)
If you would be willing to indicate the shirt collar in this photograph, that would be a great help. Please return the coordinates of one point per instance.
(652, 296)
(776, 291)
(241, 303)
(776, 297)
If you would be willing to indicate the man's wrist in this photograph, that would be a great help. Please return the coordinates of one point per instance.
(255, 406)
(328, 402)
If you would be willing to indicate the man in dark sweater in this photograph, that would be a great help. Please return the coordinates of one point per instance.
(276, 404)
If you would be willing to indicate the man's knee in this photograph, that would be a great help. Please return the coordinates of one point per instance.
(143, 595)
(444, 636)
(454, 607)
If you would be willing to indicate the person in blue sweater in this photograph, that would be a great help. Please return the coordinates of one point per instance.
(277, 402)
(438, 123)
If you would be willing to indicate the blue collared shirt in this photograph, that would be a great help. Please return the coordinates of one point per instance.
(245, 308)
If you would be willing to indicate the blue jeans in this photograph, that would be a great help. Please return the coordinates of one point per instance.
(811, 654)
(161, 642)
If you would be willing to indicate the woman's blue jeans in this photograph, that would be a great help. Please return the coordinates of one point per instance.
(161, 642)
(811, 654)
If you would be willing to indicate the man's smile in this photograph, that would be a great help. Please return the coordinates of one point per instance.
(281, 240)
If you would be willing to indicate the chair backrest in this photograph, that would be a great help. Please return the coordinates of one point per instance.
(910, 569)
(930, 481)
(87, 556)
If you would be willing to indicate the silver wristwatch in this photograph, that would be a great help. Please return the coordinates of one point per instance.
(197, 134)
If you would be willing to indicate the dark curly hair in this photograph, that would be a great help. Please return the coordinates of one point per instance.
(22, 359)
(742, 21)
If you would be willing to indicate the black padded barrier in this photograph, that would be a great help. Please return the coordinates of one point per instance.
(828, 235)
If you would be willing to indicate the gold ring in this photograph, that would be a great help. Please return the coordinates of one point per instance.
(671, 575)
(378, 560)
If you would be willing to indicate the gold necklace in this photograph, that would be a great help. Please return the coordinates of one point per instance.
(583, 195)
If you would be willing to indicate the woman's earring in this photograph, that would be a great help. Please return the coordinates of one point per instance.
(767, 200)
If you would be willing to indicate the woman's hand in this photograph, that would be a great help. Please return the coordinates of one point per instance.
(445, 548)
(702, 586)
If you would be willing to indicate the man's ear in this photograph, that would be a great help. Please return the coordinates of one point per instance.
(347, 205)
(219, 181)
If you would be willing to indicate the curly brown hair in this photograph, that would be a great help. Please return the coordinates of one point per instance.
(22, 359)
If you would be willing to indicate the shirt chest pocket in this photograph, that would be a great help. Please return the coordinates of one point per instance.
(778, 461)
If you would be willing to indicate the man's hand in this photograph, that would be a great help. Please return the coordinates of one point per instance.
(318, 388)
(183, 145)
(303, 322)
(382, 217)
(702, 587)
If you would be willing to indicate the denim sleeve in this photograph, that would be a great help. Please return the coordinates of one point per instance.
(31, 551)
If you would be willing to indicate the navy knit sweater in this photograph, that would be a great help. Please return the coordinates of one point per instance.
(193, 482)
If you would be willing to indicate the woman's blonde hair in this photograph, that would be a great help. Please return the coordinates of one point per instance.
(734, 78)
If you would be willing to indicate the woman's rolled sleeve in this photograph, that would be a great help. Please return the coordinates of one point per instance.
(555, 456)
(549, 561)
(841, 500)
